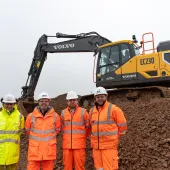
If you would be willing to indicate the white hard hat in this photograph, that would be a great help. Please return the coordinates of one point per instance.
(9, 98)
(71, 95)
(100, 90)
(43, 95)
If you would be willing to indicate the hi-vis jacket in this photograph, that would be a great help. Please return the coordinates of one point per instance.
(42, 134)
(11, 127)
(107, 124)
(75, 128)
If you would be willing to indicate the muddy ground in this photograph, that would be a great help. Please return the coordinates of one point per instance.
(146, 146)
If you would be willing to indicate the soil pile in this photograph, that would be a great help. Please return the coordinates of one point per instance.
(146, 146)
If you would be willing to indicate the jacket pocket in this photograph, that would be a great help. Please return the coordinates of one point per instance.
(52, 146)
(33, 148)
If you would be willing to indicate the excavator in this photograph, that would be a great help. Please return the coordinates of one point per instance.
(119, 66)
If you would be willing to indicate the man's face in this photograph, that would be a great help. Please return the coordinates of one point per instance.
(72, 103)
(44, 104)
(9, 106)
(101, 99)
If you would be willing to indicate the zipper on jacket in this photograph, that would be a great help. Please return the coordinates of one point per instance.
(71, 131)
(98, 127)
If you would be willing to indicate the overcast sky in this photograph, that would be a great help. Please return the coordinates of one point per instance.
(23, 22)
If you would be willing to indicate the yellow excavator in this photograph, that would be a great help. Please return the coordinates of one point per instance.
(119, 66)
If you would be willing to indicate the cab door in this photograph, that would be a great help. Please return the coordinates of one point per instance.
(129, 63)
(108, 62)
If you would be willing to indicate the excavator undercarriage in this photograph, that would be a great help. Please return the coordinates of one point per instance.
(130, 94)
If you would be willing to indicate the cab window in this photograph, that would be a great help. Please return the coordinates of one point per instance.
(125, 54)
(109, 59)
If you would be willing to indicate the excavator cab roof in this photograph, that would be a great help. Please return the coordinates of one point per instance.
(117, 42)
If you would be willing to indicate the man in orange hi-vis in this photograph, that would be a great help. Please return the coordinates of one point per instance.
(108, 123)
(75, 127)
(42, 126)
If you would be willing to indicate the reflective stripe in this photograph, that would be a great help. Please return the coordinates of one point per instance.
(122, 124)
(42, 139)
(20, 117)
(32, 120)
(62, 118)
(62, 113)
(100, 169)
(74, 123)
(82, 114)
(74, 131)
(104, 122)
(10, 131)
(104, 133)
(42, 131)
(109, 112)
(55, 117)
(10, 140)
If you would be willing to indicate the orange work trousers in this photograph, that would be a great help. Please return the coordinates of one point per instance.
(74, 158)
(45, 164)
(105, 159)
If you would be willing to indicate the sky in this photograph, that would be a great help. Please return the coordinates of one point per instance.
(23, 23)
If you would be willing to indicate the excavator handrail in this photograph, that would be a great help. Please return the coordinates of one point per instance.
(144, 42)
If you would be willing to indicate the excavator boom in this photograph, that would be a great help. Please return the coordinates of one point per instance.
(84, 42)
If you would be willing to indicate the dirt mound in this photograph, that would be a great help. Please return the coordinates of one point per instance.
(147, 143)
(59, 103)
(146, 146)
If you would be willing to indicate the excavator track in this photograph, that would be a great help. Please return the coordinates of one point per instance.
(132, 94)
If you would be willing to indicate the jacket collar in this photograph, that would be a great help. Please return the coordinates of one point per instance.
(5, 111)
(105, 105)
(69, 109)
(37, 112)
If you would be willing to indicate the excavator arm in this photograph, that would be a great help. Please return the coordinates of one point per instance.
(84, 42)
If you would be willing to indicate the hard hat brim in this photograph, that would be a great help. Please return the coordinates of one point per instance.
(44, 98)
(12, 102)
(71, 98)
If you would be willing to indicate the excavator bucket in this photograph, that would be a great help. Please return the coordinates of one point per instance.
(26, 107)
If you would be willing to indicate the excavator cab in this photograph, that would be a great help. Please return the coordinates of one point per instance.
(111, 57)
(125, 65)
